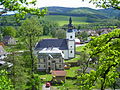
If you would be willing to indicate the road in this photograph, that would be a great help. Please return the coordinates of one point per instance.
(78, 45)
(44, 87)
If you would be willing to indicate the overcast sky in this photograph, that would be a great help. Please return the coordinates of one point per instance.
(64, 3)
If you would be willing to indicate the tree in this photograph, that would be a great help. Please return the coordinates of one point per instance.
(9, 31)
(83, 35)
(107, 3)
(60, 34)
(49, 27)
(20, 6)
(107, 49)
(30, 31)
(5, 82)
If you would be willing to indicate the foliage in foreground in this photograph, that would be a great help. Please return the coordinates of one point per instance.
(107, 50)
(5, 82)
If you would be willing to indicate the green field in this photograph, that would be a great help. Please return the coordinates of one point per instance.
(61, 20)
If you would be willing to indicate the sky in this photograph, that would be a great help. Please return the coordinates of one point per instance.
(61, 3)
(65, 3)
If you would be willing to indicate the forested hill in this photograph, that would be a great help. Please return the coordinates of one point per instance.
(84, 11)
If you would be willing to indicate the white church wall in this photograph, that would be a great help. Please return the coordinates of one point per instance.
(71, 44)
(65, 54)
(70, 36)
(71, 53)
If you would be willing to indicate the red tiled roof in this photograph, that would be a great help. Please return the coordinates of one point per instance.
(59, 73)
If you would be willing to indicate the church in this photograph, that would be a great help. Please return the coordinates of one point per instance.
(52, 52)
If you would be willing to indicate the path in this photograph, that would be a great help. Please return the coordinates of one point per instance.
(44, 87)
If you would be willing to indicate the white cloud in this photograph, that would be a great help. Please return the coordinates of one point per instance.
(64, 3)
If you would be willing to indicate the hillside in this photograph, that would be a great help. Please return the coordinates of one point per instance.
(82, 15)
(83, 11)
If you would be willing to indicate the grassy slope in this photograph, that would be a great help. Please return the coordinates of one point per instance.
(61, 20)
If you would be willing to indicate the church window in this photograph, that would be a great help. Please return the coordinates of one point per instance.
(70, 36)
(44, 60)
(70, 51)
(39, 65)
(44, 65)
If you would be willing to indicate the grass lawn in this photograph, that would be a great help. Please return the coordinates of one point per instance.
(62, 20)
(79, 49)
(68, 85)
(77, 57)
(72, 71)
(61, 23)
(46, 77)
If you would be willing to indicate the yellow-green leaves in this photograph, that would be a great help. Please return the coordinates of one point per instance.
(107, 50)
(20, 6)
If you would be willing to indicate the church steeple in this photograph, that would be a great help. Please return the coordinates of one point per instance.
(70, 26)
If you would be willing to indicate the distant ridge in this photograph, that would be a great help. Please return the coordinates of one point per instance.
(83, 11)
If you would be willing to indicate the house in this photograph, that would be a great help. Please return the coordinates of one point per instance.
(58, 76)
(2, 44)
(67, 46)
(4, 63)
(50, 59)
(8, 40)
(3, 53)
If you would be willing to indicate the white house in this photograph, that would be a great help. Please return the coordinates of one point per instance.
(3, 53)
(50, 59)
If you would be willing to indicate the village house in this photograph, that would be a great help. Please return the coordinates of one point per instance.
(50, 59)
(58, 76)
(3, 53)
(8, 40)
(47, 49)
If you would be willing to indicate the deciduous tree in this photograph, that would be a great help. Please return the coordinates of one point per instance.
(30, 31)
(107, 49)
(107, 3)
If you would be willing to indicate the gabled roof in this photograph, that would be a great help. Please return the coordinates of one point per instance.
(59, 73)
(58, 43)
(6, 38)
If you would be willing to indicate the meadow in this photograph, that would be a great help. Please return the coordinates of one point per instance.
(62, 20)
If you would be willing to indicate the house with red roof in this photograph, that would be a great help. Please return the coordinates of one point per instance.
(59, 76)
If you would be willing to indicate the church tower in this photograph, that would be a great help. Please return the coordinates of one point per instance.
(70, 35)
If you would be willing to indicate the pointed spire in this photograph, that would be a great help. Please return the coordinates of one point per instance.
(70, 26)
(70, 20)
